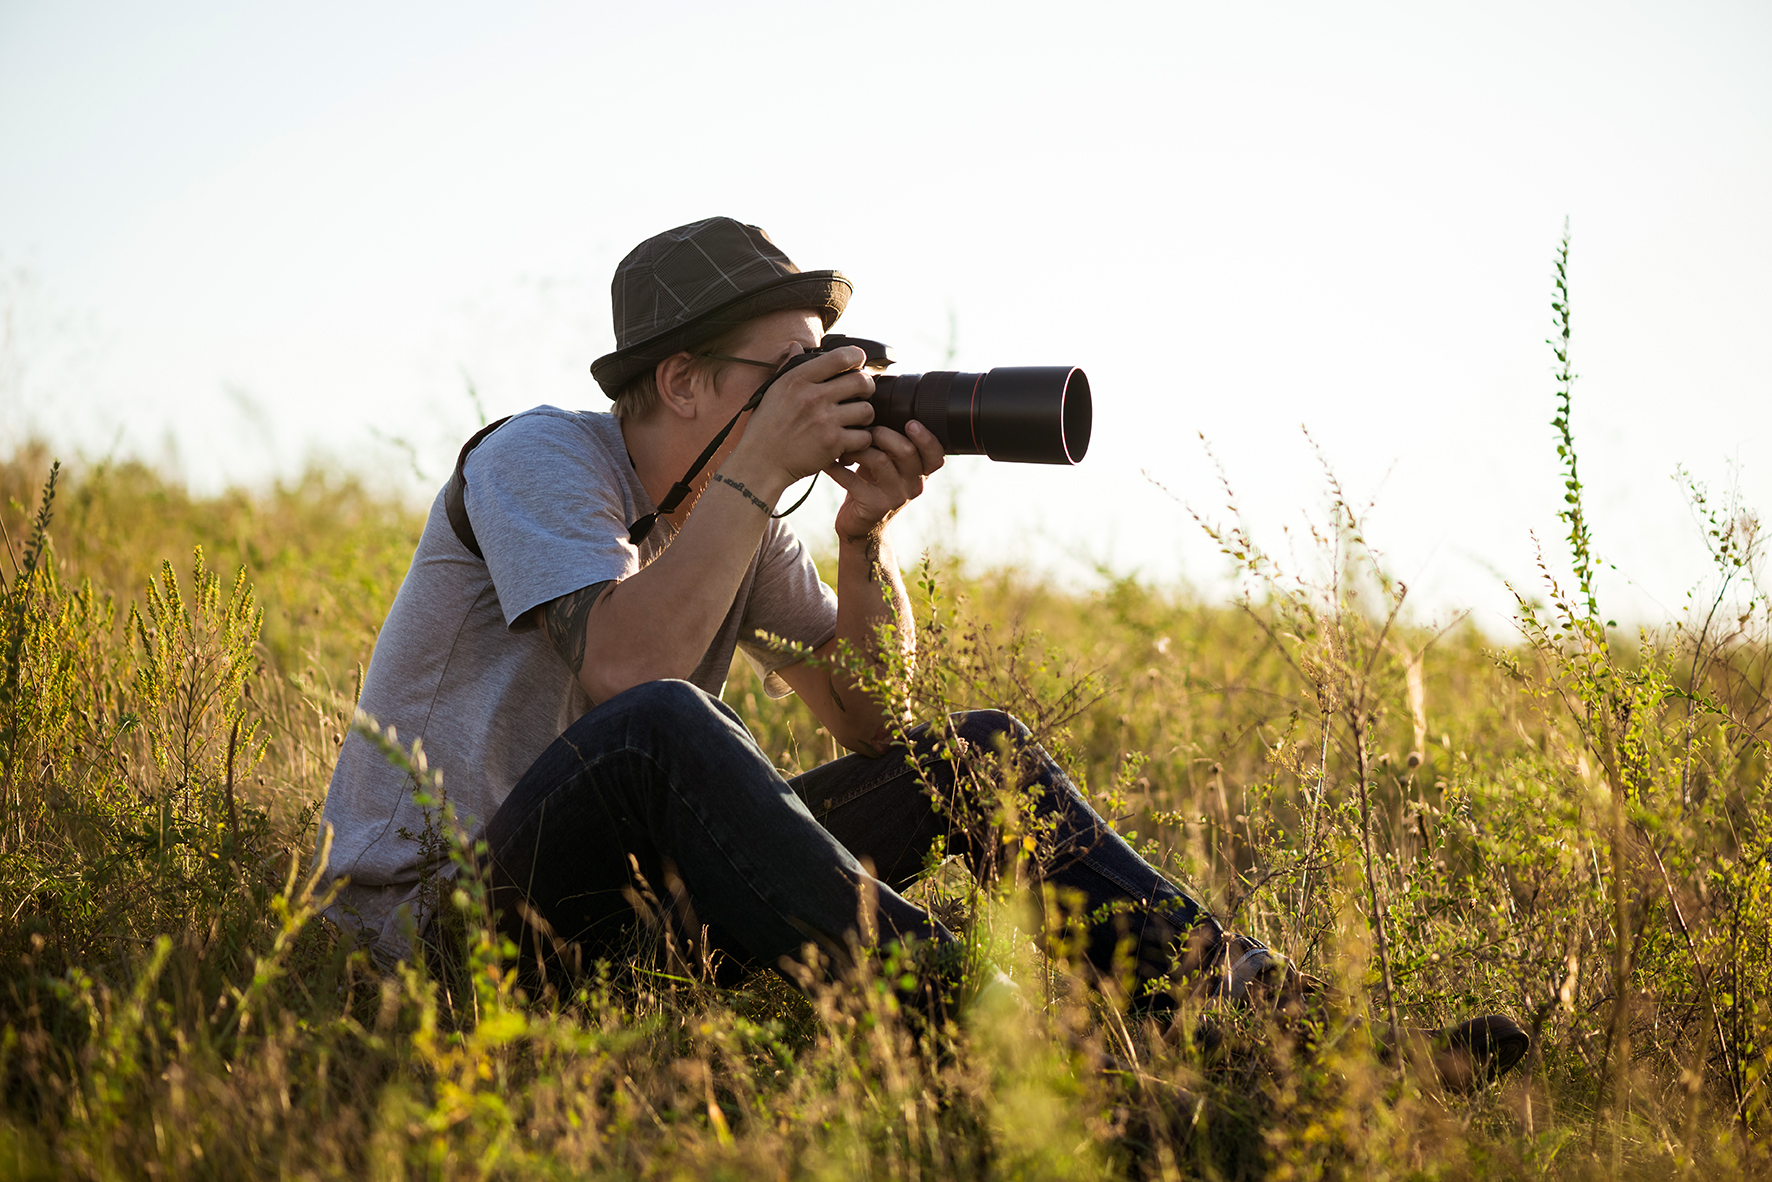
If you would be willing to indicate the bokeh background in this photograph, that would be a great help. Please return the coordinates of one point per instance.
(237, 239)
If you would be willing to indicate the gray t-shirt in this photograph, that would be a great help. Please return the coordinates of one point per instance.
(460, 666)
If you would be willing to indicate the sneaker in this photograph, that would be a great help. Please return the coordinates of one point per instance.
(999, 995)
(1473, 1053)
(1242, 971)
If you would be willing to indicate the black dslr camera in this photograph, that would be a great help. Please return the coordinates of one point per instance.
(1034, 414)
(1029, 414)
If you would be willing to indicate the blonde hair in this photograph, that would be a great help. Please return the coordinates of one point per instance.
(639, 397)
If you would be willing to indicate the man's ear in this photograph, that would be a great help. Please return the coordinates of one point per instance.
(674, 378)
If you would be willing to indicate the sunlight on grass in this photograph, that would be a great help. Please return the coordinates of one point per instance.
(1572, 829)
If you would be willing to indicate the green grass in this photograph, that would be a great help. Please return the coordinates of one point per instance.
(1572, 828)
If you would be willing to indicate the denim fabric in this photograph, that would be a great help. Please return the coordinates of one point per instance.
(889, 815)
(668, 776)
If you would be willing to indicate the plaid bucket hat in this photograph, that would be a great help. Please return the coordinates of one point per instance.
(698, 281)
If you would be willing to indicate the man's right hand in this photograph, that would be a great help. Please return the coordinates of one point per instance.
(814, 413)
(659, 622)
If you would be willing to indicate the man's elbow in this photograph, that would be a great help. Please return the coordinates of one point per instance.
(603, 680)
(604, 683)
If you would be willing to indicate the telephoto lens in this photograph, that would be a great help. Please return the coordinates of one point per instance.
(1024, 414)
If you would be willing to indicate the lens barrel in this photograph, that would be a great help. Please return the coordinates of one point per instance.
(1028, 414)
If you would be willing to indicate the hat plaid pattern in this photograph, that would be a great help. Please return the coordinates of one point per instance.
(697, 281)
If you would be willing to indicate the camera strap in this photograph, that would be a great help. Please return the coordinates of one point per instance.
(455, 493)
(638, 530)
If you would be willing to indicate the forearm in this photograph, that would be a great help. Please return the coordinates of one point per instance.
(870, 594)
(659, 622)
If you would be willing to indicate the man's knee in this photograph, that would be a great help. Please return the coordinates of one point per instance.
(989, 730)
(667, 696)
(667, 707)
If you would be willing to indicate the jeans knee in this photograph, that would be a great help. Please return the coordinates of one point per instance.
(668, 696)
(989, 728)
(668, 708)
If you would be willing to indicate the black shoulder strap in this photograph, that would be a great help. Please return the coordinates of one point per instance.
(455, 493)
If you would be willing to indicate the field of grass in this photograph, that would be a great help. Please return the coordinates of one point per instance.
(1572, 828)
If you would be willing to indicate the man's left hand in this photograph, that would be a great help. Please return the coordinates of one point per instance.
(886, 475)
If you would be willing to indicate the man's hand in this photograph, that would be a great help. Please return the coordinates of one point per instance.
(888, 474)
(813, 413)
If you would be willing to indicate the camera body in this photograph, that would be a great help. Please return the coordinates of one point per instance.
(1034, 414)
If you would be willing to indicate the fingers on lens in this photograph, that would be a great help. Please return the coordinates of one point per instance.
(894, 444)
(882, 465)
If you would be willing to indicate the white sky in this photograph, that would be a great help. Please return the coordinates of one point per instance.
(236, 236)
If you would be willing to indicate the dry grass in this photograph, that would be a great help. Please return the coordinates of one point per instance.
(1572, 829)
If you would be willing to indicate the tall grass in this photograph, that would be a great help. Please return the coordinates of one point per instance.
(1572, 828)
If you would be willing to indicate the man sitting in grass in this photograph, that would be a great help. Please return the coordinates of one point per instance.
(562, 639)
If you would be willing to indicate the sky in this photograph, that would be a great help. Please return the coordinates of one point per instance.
(236, 239)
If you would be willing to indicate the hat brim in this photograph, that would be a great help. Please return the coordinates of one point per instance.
(826, 292)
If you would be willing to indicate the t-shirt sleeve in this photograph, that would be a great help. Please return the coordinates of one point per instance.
(548, 516)
(787, 600)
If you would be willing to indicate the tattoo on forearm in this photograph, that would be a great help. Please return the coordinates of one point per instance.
(564, 620)
(750, 496)
(876, 568)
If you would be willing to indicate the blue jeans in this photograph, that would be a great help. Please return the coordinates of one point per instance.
(665, 779)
